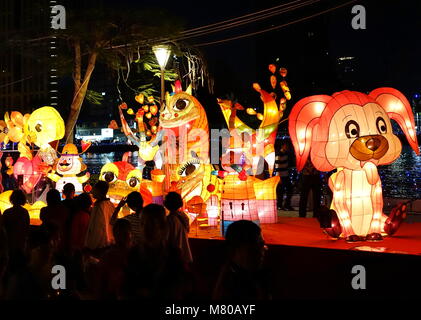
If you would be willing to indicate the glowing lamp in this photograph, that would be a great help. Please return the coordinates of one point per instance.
(272, 68)
(162, 53)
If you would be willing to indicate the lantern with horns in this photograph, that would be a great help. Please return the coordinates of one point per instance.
(351, 132)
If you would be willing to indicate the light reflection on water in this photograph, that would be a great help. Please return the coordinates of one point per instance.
(401, 179)
(95, 161)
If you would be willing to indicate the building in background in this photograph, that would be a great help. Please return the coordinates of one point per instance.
(24, 76)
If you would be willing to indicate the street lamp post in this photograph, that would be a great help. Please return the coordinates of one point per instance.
(162, 53)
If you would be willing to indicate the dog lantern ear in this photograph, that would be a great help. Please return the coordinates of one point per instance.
(398, 108)
(303, 117)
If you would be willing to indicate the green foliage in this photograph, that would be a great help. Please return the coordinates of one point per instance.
(94, 97)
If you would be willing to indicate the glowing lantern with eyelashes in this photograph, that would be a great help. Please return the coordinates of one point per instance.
(351, 131)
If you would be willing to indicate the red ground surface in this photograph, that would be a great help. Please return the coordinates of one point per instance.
(305, 232)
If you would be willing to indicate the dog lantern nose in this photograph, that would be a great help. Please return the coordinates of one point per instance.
(373, 144)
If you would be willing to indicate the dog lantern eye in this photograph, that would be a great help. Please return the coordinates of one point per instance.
(381, 125)
(352, 129)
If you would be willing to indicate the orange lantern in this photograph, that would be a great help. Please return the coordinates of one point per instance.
(351, 132)
(3, 130)
(251, 111)
(153, 109)
(140, 98)
(130, 111)
(273, 81)
(283, 72)
(272, 68)
(256, 87)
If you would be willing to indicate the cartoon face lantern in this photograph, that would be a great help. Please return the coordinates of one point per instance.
(68, 167)
(351, 132)
(123, 178)
(45, 125)
(184, 117)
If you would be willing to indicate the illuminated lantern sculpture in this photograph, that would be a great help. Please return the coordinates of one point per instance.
(45, 125)
(15, 126)
(238, 197)
(67, 168)
(3, 131)
(262, 140)
(351, 132)
(265, 191)
(33, 209)
(28, 172)
(123, 178)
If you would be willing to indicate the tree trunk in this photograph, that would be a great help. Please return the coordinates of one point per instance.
(79, 93)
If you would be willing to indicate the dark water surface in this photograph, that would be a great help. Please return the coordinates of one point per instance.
(401, 179)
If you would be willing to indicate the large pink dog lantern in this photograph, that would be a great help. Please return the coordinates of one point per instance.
(351, 132)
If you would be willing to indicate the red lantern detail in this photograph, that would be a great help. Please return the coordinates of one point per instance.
(272, 68)
(9, 161)
(87, 188)
(211, 188)
(242, 176)
(153, 109)
(221, 174)
(178, 87)
(29, 170)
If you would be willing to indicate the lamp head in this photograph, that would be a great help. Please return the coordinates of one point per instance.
(162, 53)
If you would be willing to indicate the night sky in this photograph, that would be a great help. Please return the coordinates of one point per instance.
(387, 53)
